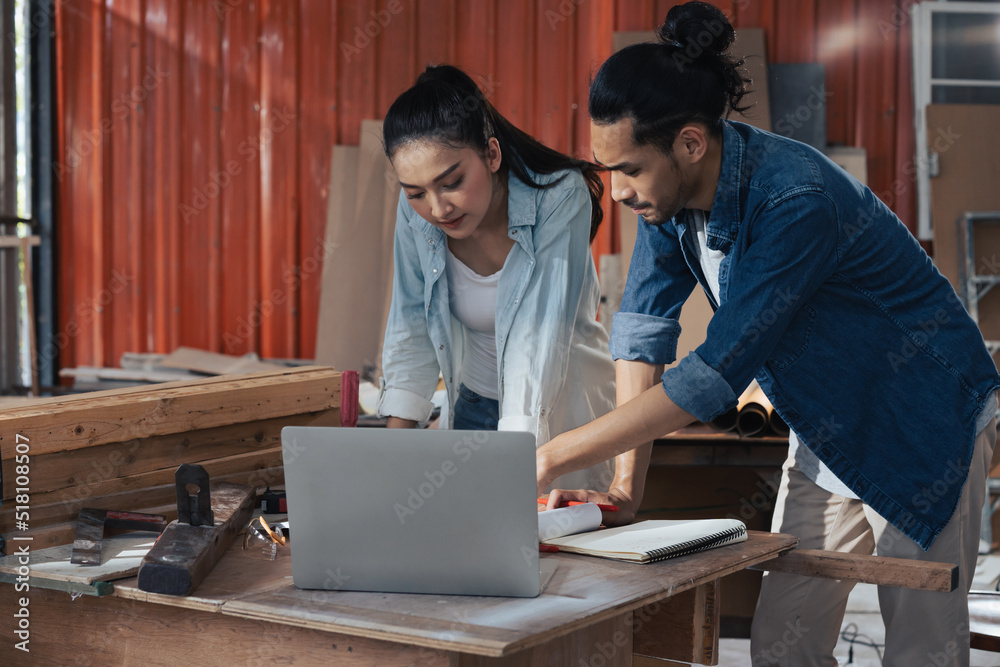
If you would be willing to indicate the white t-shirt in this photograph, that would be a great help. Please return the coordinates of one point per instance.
(474, 305)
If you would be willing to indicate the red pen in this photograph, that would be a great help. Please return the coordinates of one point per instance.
(571, 503)
(548, 548)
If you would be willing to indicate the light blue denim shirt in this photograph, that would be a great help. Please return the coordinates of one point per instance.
(858, 340)
(554, 366)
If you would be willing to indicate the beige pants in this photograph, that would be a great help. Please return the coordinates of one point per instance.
(798, 619)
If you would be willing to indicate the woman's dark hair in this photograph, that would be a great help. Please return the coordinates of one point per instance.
(684, 78)
(446, 105)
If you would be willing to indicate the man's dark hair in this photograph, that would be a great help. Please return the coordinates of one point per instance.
(685, 78)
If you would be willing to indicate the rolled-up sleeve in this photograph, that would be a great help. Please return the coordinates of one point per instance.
(410, 367)
(646, 326)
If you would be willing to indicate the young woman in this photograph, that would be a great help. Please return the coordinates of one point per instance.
(494, 285)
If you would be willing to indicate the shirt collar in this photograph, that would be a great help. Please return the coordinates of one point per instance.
(724, 222)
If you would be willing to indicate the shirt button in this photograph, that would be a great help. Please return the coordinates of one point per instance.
(435, 270)
(517, 301)
(514, 233)
(440, 347)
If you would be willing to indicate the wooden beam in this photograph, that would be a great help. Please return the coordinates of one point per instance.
(684, 627)
(879, 570)
(56, 425)
(86, 468)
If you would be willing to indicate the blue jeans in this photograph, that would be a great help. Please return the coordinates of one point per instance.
(474, 412)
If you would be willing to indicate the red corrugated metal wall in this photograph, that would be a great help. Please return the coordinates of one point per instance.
(194, 137)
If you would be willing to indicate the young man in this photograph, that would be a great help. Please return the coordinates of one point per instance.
(823, 295)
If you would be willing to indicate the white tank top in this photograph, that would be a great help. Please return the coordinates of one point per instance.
(474, 305)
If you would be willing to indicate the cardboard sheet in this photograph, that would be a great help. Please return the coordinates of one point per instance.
(967, 145)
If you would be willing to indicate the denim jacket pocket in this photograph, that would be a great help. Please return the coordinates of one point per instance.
(795, 340)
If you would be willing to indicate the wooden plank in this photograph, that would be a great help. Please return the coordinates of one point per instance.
(74, 588)
(129, 631)
(879, 570)
(126, 493)
(83, 468)
(59, 534)
(174, 408)
(215, 363)
(57, 402)
(120, 558)
(130, 493)
(683, 627)
(89, 374)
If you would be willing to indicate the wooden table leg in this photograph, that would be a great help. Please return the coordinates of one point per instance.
(683, 627)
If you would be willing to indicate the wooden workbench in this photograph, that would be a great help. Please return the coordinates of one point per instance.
(248, 612)
(699, 445)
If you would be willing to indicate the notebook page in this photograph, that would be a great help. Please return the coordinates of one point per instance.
(646, 536)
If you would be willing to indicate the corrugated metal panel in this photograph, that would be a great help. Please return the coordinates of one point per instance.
(240, 161)
(279, 146)
(195, 137)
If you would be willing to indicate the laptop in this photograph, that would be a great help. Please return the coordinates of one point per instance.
(412, 511)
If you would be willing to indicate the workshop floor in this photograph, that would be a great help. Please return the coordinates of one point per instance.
(863, 621)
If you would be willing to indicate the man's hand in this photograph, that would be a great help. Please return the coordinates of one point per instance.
(627, 508)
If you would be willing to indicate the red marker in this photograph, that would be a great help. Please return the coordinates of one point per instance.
(549, 548)
(571, 503)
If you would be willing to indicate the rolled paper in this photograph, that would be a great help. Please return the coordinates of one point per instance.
(753, 411)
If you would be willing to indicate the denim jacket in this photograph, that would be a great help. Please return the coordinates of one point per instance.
(554, 367)
(858, 340)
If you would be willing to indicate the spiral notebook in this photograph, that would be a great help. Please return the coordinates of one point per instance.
(650, 541)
